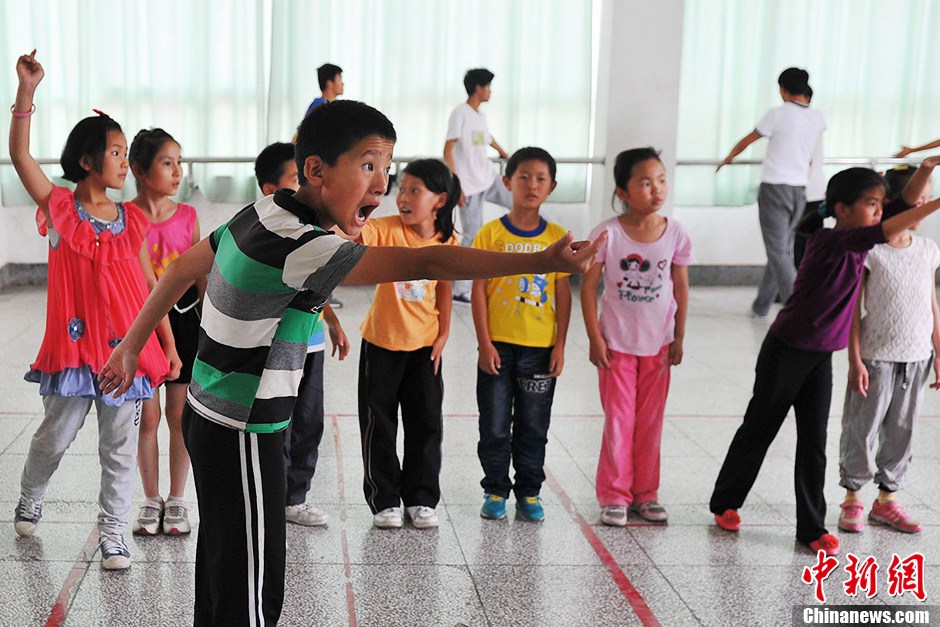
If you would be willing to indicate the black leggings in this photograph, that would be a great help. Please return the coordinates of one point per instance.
(785, 377)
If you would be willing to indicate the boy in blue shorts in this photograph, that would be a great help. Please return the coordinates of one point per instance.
(522, 324)
(270, 269)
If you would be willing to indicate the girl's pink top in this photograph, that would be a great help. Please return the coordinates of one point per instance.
(96, 289)
(171, 238)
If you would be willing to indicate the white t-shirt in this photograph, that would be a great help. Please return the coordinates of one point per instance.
(897, 324)
(638, 308)
(793, 131)
(816, 183)
(468, 127)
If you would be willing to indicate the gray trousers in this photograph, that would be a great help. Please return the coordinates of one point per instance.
(895, 393)
(779, 209)
(117, 453)
(471, 219)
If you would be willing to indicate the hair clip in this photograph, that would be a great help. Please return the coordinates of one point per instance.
(101, 113)
(823, 210)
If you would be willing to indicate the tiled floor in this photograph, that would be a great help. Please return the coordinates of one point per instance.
(569, 570)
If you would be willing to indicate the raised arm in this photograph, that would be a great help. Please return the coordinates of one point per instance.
(384, 264)
(906, 219)
(906, 150)
(739, 147)
(29, 73)
(918, 181)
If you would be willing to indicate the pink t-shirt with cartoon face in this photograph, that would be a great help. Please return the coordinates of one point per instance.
(638, 307)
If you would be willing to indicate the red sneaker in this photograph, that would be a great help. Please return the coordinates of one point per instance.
(893, 515)
(728, 520)
(826, 542)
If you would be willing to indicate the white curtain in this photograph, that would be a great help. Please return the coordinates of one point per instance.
(227, 77)
(873, 67)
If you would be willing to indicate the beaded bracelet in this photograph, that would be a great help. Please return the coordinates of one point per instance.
(22, 114)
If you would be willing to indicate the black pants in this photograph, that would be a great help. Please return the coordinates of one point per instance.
(388, 379)
(240, 549)
(785, 377)
(302, 437)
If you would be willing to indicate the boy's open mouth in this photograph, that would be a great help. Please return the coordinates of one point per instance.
(363, 213)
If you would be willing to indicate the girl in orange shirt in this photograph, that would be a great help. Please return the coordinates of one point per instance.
(403, 336)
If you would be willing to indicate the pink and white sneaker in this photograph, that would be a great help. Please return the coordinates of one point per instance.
(893, 515)
(852, 518)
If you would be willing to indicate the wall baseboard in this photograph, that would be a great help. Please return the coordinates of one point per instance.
(13, 274)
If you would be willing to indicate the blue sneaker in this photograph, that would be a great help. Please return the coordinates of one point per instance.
(494, 507)
(530, 508)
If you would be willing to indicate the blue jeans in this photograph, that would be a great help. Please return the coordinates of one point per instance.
(515, 410)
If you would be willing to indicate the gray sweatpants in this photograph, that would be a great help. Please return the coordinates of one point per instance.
(895, 393)
(117, 453)
(779, 209)
(471, 219)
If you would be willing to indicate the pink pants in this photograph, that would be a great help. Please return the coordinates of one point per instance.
(633, 395)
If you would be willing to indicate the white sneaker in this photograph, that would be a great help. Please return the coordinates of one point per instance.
(176, 517)
(306, 515)
(388, 518)
(114, 553)
(148, 518)
(614, 515)
(422, 516)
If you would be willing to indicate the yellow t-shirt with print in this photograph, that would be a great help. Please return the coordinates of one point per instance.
(520, 308)
(404, 314)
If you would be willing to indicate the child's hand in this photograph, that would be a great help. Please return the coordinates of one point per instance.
(905, 150)
(556, 362)
(29, 71)
(488, 361)
(437, 348)
(118, 374)
(574, 257)
(339, 340)
(936, 375)
(675, 352)
(599, 354)
(176, 364)
(930, 162)
(858, 379)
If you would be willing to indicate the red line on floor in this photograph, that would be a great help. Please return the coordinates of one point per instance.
(64, 599)
(642, 610)
(350, 596)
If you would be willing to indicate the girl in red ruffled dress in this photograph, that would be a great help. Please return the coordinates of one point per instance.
(99, 272)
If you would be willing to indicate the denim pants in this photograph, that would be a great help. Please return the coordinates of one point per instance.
(303, 434)
(515, 410)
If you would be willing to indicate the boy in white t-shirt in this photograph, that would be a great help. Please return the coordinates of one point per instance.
(793, 131)
(465, 152)
(892, 350)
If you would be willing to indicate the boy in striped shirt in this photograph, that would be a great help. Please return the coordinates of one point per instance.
(270, 269)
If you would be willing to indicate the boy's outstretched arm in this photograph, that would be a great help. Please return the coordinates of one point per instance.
(902, 221)
(906, 150)
(383, 264)
(739, 147)
(118, 374)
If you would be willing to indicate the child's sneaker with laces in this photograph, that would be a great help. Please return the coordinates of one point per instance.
(26, 517)
(494, 507)
(114, 553)
(852, 518)
(827, 543)
(729, 520)
(530, 508)
(893, 515)
(650, 511)
(306, 515)
(176, 517)
(614, 515)
(389, 518)
(422, 516)
(148, 518)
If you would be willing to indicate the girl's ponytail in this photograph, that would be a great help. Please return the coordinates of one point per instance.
(438, 178)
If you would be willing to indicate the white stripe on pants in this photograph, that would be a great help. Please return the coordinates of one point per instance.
(117, 453)
(895, 393)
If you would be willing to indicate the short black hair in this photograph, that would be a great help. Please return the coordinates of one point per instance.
(327, 72)
(629, 159)
(269, 166)
(530, 153)
(145, 147)
(477, 77)
(334, 127)
(897, 179)
(844, 187)
(88, 138)
(796, 81)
